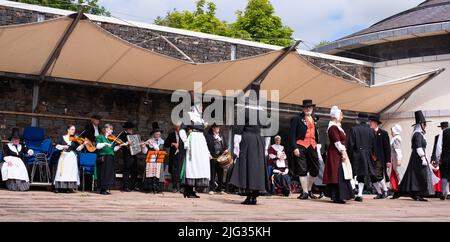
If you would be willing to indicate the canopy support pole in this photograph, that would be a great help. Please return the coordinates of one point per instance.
(55, 53)
(410, 92)
(256, 83)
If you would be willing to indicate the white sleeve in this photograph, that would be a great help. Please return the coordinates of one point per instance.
(420, 152)
(116, 148)
(30, 152)
(399, 154)
(339, 146)
(144, 150)
(237, 141)
(272, 156)
(183, 135)
(59, 147)
(80, 147)
(286, 171)
(439, 148)
(266, 150)
(100, 146)
(275, 171)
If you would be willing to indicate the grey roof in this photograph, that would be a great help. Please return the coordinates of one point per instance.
(431, 17)
(431, 11)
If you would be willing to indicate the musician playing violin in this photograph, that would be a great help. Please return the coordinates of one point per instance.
(67, 177)
(107, 145)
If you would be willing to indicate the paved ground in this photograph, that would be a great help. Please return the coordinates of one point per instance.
(136, 206)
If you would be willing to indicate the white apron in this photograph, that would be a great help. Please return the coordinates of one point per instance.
(67, 170)
(197, 157)
(14, 168)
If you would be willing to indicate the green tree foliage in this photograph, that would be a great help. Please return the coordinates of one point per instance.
(259, 21)
(322, 43)
(73, 5)
(256, 23)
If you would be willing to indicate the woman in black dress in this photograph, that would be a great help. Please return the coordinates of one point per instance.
(250, 171)
(416, 182)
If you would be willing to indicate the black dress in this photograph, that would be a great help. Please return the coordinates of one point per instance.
(416, 181)
(250, 173)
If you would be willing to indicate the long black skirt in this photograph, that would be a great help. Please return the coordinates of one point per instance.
(250, 170)
(340, 191)
(106, 172)
(416, 181)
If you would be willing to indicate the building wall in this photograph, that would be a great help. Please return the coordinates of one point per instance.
(410, 48)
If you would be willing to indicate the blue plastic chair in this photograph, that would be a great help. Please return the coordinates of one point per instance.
(87, 165)
(34, 138)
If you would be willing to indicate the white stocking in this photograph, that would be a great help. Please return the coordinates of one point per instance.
(360, 189)
(310, 182)
(304, 183)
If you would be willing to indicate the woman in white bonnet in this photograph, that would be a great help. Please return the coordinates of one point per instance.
(396, 156)
(338, 188)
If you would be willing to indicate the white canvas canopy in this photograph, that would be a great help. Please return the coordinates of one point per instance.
(92, 54)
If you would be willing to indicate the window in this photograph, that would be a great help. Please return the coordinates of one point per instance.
(40, 17)
(233, 52)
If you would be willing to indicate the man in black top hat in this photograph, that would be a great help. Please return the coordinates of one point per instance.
(304, 139)
(91, 129)
(441, 157)
(129, 161)
(382, 156)
(360, 146)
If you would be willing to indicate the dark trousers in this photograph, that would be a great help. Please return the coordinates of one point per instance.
(174, 169)
(215, 170)
(129, 169)
(307, 162)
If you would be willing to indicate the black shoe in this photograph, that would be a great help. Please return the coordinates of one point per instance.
(339, 201)
(321, 195)
(396, 195)
(358, 199)
(311, 195)
(303, 196)
(104, 192)
(384, 195)
(421, 199)
(442, 197)
(252, 201)
(56, 191)
(126, 190)
(108, 193)
(379, 196)
(246, 201)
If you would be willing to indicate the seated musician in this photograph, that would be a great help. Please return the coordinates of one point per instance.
(281, 179)
(154, 171)
(14, 171)
(67, 176)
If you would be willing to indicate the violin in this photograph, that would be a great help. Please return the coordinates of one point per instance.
(89, 146)
(115, 139)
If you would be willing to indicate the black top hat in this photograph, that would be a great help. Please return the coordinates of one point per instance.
(308, 103)
(128, 125)
(443, 125)
(155, 127)
(15, 134)
(363, 117)
(420, 118)
(96, 116)
(375, 118)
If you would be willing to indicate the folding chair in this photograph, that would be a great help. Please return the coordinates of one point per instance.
(87, 164)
